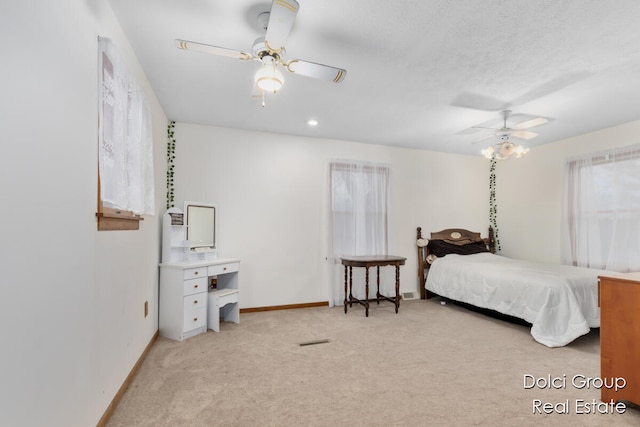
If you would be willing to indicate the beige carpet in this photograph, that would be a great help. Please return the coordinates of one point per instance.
(427, 365)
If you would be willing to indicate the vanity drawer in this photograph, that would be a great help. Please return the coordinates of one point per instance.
(192, 273)
(195, 311)
(194, 286)
(196, 319)
(195, 301)
(214, 270)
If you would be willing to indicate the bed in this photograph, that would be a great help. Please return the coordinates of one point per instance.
(560, 302)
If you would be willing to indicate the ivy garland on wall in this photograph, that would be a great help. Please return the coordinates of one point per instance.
(493, 207)
(171, 155)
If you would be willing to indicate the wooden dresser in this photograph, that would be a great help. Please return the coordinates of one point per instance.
(619, 300)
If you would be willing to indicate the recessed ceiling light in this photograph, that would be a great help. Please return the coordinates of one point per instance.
(312, 122)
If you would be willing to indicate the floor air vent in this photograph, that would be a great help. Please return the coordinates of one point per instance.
(302, 344)
(409, 295)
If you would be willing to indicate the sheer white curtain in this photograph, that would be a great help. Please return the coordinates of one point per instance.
(601, 210)
(125, 153)
(359, 217)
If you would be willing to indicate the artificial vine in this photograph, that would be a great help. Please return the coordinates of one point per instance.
(171, 155)
(493, 207)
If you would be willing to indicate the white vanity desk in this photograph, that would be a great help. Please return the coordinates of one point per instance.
(187, 306)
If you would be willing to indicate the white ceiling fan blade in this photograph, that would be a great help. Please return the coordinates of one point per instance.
(483, 128)
(530, 123)
(523, 134)
(316, 71)
(215, 50)
(489, 124)
(491, 135)
(281, 19)
(472, 131)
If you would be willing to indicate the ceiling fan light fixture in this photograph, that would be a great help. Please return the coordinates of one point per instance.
(506, 150)
(488, 152)
(520, 151)
(269, 78)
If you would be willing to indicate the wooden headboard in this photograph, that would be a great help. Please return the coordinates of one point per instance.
(450, 234)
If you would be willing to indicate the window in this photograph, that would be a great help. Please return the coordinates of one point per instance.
(359, 214)
(125, 156)
(601, 210)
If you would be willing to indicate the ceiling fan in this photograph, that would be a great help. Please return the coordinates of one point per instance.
(515, 129)
(270, 51)
(513, 125)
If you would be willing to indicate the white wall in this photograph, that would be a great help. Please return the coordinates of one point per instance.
(529, 192)
(71, 298)
(271, 192)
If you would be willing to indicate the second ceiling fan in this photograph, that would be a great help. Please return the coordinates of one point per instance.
(513, 126)
(270, 51)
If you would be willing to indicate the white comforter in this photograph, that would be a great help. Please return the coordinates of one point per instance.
(560, 301)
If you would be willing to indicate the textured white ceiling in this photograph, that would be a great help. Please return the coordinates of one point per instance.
(420, 73)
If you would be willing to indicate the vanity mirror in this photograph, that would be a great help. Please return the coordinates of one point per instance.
(201, 226)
